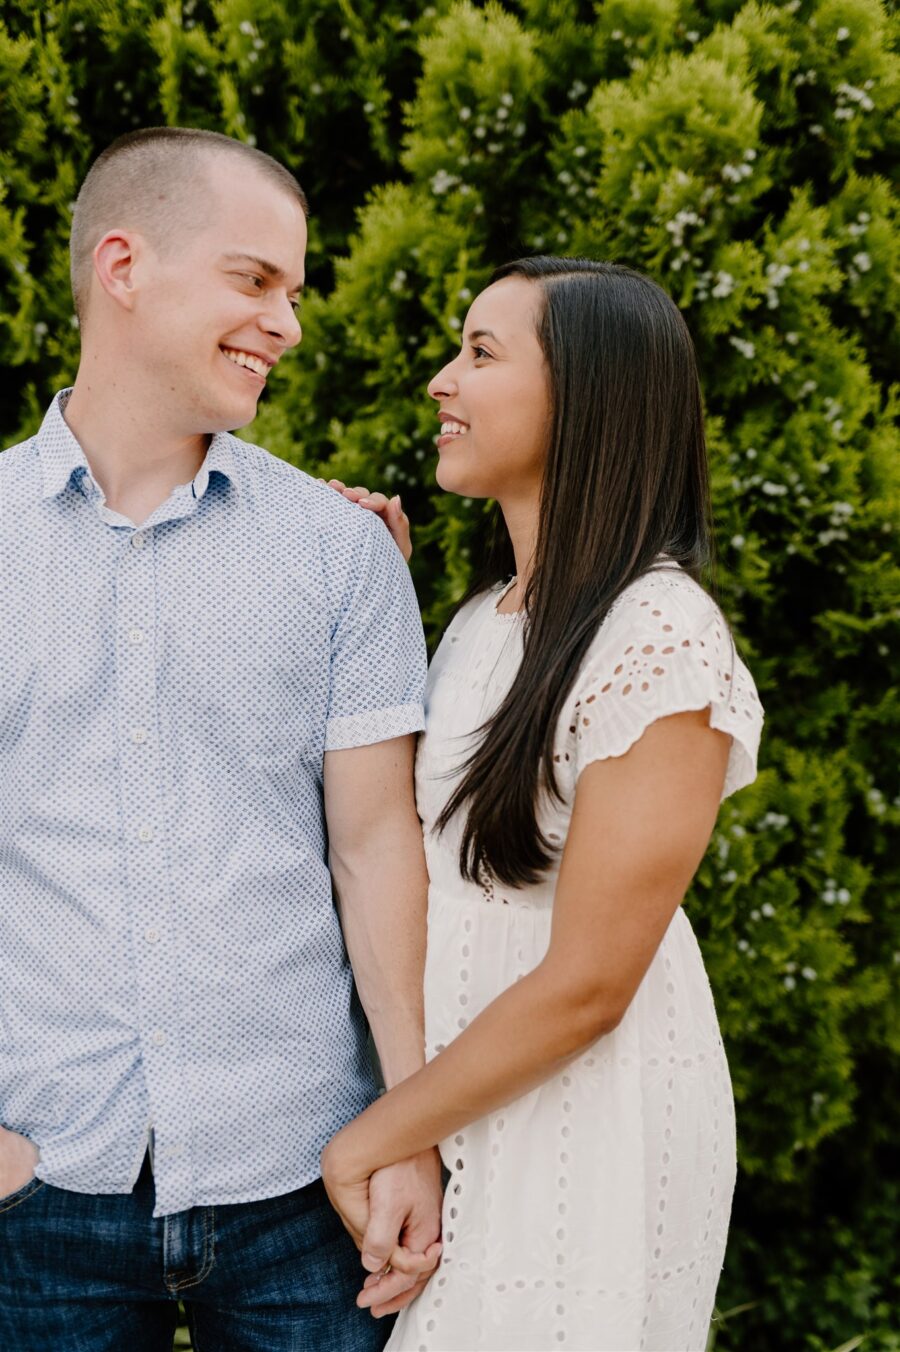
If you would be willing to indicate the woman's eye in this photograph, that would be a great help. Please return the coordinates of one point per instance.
(479, 352)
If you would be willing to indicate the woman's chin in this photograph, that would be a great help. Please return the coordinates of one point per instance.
(452, 479)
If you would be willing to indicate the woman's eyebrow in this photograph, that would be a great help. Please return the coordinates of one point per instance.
(483, 333)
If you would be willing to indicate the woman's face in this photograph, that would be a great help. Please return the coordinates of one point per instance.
(495, 396)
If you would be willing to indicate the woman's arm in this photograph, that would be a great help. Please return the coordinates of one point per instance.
(640, 825)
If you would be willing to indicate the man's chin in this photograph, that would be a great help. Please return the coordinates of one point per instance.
(231, 419)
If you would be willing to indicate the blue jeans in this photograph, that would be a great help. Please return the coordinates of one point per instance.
(83, 1273)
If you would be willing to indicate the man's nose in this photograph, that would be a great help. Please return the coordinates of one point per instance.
(283, 323)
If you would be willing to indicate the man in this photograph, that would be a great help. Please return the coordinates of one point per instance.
(211, 668)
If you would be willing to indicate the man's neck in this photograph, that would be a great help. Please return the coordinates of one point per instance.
(135, 459)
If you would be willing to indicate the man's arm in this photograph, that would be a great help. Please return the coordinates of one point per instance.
(377, 862)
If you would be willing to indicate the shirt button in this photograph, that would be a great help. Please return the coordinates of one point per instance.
(137, 541)
(157, 1037)
(139, 734)
(145, 833)
(135, 635)
(151, 935)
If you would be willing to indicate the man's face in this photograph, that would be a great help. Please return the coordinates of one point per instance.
(214, 314)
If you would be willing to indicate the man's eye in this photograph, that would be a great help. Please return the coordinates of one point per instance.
(255, 279)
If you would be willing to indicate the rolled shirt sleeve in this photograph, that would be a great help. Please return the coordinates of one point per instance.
(378, 658)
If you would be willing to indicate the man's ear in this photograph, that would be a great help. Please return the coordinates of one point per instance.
(115, 261)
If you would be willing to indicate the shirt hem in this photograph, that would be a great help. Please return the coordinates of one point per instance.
(216, 1197)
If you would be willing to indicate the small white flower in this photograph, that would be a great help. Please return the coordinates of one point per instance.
(789, 983)
(862, 261)
(246, 28)
(455, 322)
(809, 973)
(744, 346)
(442, 182)
(842, 34)
(738, 541)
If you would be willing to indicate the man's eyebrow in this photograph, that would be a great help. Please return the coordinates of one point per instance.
(270, 269)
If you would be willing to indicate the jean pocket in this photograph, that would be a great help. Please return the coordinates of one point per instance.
(22, 1194)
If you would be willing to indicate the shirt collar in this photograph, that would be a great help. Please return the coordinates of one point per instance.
(61, 456)
(219, 460)
(60, 453)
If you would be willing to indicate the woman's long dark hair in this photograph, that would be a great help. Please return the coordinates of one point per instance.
(625, 480)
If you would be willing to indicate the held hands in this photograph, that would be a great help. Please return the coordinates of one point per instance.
(390, 511)
(394, 1218)
(18, 1156)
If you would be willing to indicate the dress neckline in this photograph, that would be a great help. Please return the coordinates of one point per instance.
(505, 615)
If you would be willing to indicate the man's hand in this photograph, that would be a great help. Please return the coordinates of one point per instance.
(389, 509)
(404, 1209)
(18, 1156)
(394, 1218)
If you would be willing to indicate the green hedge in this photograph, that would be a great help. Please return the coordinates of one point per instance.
(738, 153)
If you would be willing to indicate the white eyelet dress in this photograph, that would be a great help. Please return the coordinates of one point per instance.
(591, 1213)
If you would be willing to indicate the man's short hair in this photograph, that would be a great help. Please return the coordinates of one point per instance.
(148, 180)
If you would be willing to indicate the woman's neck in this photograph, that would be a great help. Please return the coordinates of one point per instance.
(521, 519)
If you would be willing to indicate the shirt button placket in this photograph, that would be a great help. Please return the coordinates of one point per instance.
(149, 889)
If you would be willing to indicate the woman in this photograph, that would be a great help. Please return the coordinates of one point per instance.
(584, 720)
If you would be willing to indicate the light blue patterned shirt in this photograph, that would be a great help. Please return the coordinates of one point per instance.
(170, 955)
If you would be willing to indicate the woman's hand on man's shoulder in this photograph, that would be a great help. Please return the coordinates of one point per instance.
(389, 509)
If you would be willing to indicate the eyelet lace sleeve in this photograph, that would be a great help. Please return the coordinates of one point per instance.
(660, 658)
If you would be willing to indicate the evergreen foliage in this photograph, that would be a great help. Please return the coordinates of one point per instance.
(740, 154)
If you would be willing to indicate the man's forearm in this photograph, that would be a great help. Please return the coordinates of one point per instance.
(381, 886)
